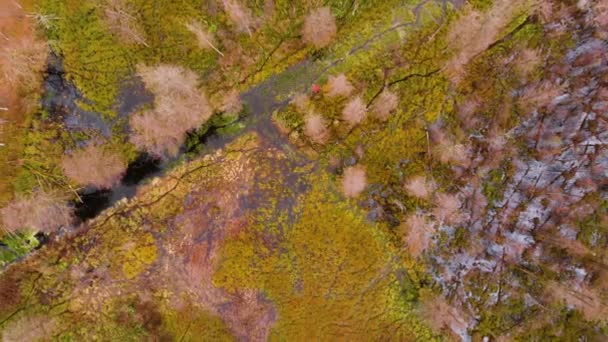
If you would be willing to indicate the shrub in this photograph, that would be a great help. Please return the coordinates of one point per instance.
(315, 128)
(41, 212)
(354, 181)
(319, 27)
(95, 166)
(354, 111)
(339, 86)
(384, 104)
(179, 106)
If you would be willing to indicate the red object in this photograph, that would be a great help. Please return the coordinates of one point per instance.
(315, 88)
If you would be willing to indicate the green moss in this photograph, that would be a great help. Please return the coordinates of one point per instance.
(495, 183)
(594, 229)
(93, 58)
(16, 246)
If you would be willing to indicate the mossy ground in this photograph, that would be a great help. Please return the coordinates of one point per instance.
(257, 239)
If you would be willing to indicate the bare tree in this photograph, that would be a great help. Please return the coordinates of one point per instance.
(419, 234)
(41, 211)
(122, 23)
(420, 186)
(179, 106)
(319, 27)
(239, 15)
(94, 165)
(339, 86)
(385, 104)
(204, 38)
(354, 181)
(315, 128)
(474, 32)
(354, 111)
(22, 61)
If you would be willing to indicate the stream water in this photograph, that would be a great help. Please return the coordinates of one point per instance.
(61, 97)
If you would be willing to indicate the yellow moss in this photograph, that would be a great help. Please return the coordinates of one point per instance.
(137, 259)
(332, 275)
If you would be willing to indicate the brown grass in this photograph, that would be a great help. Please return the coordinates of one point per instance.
(95, 166)
(319, 28)
(231, 102)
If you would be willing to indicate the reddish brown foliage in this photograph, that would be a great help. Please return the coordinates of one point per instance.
(40, 212)
(10, 291)
(95, 166)
(319, 27)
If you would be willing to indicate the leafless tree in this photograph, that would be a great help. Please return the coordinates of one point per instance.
(204, 38)
(122, 23)
(319, 27)
(94, 165)
(354, 181)
(41, 211)
(179, 106)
